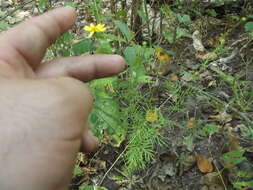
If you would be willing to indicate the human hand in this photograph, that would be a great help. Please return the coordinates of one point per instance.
(44, 107)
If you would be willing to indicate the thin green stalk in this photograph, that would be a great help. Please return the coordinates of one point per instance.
(97, 15)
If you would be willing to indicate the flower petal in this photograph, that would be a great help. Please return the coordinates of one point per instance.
(87, 28)
(101, 27)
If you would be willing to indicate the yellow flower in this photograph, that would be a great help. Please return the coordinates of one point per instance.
(162, 56)
(151, 115)
(94, 28)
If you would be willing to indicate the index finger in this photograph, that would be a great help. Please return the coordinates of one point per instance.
(28, 41)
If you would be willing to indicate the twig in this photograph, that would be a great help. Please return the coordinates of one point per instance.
(165, 101)
(101, 181)
(217, 169)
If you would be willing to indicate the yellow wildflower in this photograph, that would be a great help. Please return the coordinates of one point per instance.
(162, 55)
(92, 29)
(151, 115)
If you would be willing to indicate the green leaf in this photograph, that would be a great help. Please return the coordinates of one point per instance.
(42, 3)
(104, 47)
(249, 27)
(103, 81)
(70, 4)
(77, 170)
(233, 157)
(188, 142)
(2, 13)
(211, 12)
(143, 79)
(67, 36)
(183, 18)
(227, 78)
(130, 55)
(234, 17)
(124, 29)
(211, 129)
(149, 52)
(182, 33)
(170, 52)
(113, 37)
(121, 15)
(169, 36)
(250, 16)
(65, 53)
(82, 47)
(3, 25)
(143, 15)
(105, 116)
(243, 184)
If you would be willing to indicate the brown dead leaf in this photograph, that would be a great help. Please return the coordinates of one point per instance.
(174, 77)
(233, 142)
(191, 122)
(199, 55)
(204, 165)
(207, 56)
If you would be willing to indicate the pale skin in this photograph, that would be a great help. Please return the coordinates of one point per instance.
(44, 107)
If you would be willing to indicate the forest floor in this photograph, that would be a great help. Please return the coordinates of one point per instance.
(216, 86)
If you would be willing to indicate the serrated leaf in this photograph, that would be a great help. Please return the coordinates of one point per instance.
(183, 18)
(82, 47)
(104, 47)
(66, 37)
(182, 33)
(113, 37)
(130, 55)
(169, 36)
(250, 16)
(124, 29)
